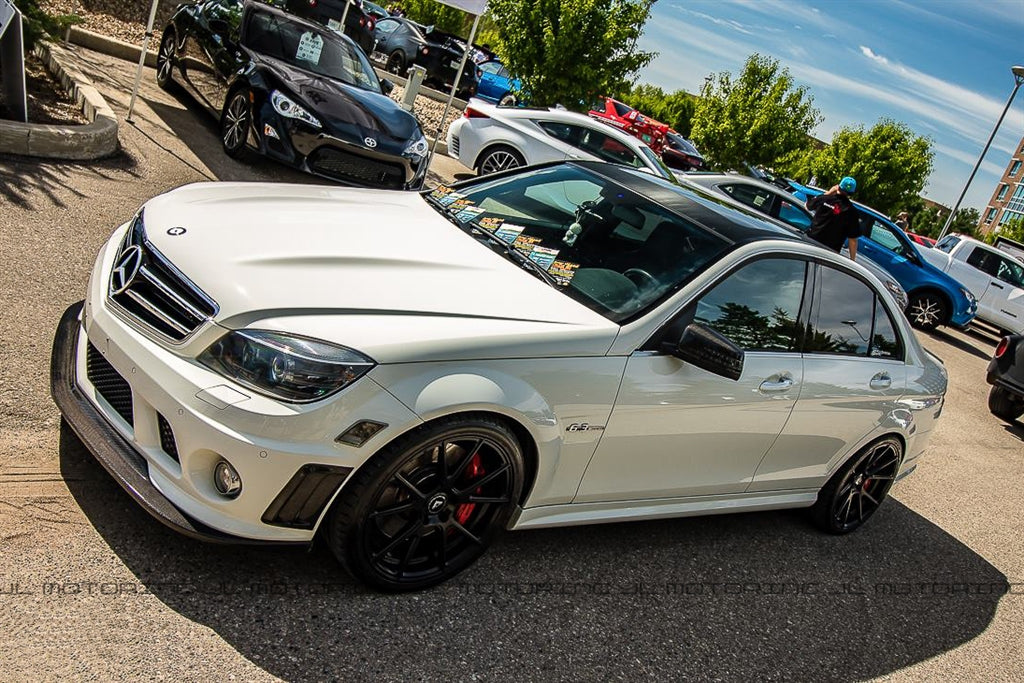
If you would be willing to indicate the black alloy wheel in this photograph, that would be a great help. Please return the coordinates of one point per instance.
(927, 310)
(396, 63)
(499, 158)
(428, 505)
(1004, 405)
(165, 60)
(857, 490)
(235, 123)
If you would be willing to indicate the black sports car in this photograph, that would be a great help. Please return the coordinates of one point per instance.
(402, 42)
(297, 92)
(359, 24)
(1006, 375)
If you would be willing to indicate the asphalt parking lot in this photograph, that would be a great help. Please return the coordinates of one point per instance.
(91, 587)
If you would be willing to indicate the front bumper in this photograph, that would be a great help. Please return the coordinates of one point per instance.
(169, 420)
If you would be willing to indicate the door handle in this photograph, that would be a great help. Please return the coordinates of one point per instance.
(784, 383)
(997, 285)
(880, 381)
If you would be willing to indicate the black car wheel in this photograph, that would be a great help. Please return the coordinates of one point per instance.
(927, 310)
(235, 123)
(396, 63)
(1005, 405)
(853, 493)
(499, 158)
(428, 505)
(165, 60)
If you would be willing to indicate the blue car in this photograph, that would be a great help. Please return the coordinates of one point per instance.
(934, 297)
(497, 85)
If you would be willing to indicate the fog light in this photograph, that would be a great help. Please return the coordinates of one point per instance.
(226, 479)
(360, 433)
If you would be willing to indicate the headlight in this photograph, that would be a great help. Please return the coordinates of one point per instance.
(897, 292)
(417, 148)
(284, 106)
(290, 368)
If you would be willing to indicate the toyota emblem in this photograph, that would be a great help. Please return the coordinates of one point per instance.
(174, 232)
(125, 269)
(370, 142)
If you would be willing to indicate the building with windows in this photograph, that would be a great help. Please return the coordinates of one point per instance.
(1007, 202)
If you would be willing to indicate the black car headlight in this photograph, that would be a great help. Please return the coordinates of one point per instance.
(283, 366)
(286, 107)
(417, 149)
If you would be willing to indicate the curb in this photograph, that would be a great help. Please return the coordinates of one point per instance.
(93, 140)
(110, 46)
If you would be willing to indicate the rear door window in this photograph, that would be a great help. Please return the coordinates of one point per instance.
(849, 319)
(755, 197)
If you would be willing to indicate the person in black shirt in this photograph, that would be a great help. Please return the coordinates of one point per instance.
(835, 219)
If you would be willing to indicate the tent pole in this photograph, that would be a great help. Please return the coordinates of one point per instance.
(142, 59)
(455, 86)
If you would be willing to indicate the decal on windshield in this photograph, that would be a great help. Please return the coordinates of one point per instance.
(543, 256)
(310, 47)
(450, 198)
(440, 191)
(468, 213)
(508, 232)
(563, 272)
(490, 223)
(525, 244)
(459, 204)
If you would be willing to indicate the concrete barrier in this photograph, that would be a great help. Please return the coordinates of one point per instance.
(94, 140)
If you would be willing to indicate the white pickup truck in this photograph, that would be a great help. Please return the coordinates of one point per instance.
(994, 277)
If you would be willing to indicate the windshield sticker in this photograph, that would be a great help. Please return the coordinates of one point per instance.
(334, 25)
(450, 198)
(563, 272)
(440, 191)
(310, 47)
(759, 200)
(526, 244)
(543, 256)
(468, 213)
(509, 232)
(490, 223)
(458, 204)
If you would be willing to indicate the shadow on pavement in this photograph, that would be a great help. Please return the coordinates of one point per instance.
(21, 177)
(747, 596)
(962, 344)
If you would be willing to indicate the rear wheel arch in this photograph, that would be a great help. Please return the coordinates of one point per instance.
(492, 147)
(932, 291)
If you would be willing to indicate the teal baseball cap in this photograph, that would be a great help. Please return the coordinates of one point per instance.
(848, 185)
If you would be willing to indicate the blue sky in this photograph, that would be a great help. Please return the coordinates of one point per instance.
(940, 66)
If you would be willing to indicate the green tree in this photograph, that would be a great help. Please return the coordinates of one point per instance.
(436, 14)
(37, 23)
(890, 163)
(675, 109)
(1013, 230)
(758, 117)
(571, 51)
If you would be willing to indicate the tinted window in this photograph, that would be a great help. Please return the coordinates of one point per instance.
(490, 67)
(757, 306)
(607, 148)
(1010, 272)
(947, 243)
(886, 237)
(621, 109)
(387, 25)
(755, 197)
(849, 319)
(984, 260)
(793, 215)
(561, 131)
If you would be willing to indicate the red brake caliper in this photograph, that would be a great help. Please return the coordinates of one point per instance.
(474, 470)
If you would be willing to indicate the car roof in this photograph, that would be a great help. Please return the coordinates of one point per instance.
(708, 179)
(558, 116)
(713, 212)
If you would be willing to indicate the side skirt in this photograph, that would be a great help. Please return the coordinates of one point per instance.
(572, 514)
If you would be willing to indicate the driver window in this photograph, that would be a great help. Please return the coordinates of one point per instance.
(757, 306)
(884, 236)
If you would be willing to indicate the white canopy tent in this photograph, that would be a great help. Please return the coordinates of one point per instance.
(474, 7)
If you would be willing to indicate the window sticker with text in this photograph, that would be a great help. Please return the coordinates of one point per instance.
(563, 272)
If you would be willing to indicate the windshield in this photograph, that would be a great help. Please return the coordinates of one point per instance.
(605, 246)
(320, 52)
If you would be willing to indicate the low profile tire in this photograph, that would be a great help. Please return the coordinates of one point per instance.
(499, 158)
(165, 61)
(396, 63)
(1005, 405)
(853, 493)
(428, 505)
(509, 100)
(927, 310)
(235, 122)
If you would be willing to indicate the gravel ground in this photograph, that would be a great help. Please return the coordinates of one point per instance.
(127, 21)
(46, 99)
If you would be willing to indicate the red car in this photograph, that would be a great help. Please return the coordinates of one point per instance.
(921, 239)
(625, 117)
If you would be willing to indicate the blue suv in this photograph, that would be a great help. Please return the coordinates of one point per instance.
(496, 84)
(935, 298)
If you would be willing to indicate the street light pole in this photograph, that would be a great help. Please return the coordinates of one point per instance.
(1018, 79)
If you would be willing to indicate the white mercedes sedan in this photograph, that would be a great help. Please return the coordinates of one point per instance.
(406, 375)
(489, 138)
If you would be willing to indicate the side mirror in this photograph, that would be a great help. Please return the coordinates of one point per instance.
(386, 86)
(709, 350)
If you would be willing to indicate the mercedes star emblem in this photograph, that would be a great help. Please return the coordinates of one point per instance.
(125, 269)
(370, 142)
(174, 232)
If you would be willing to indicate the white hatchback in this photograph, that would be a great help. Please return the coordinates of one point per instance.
(489, 139)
